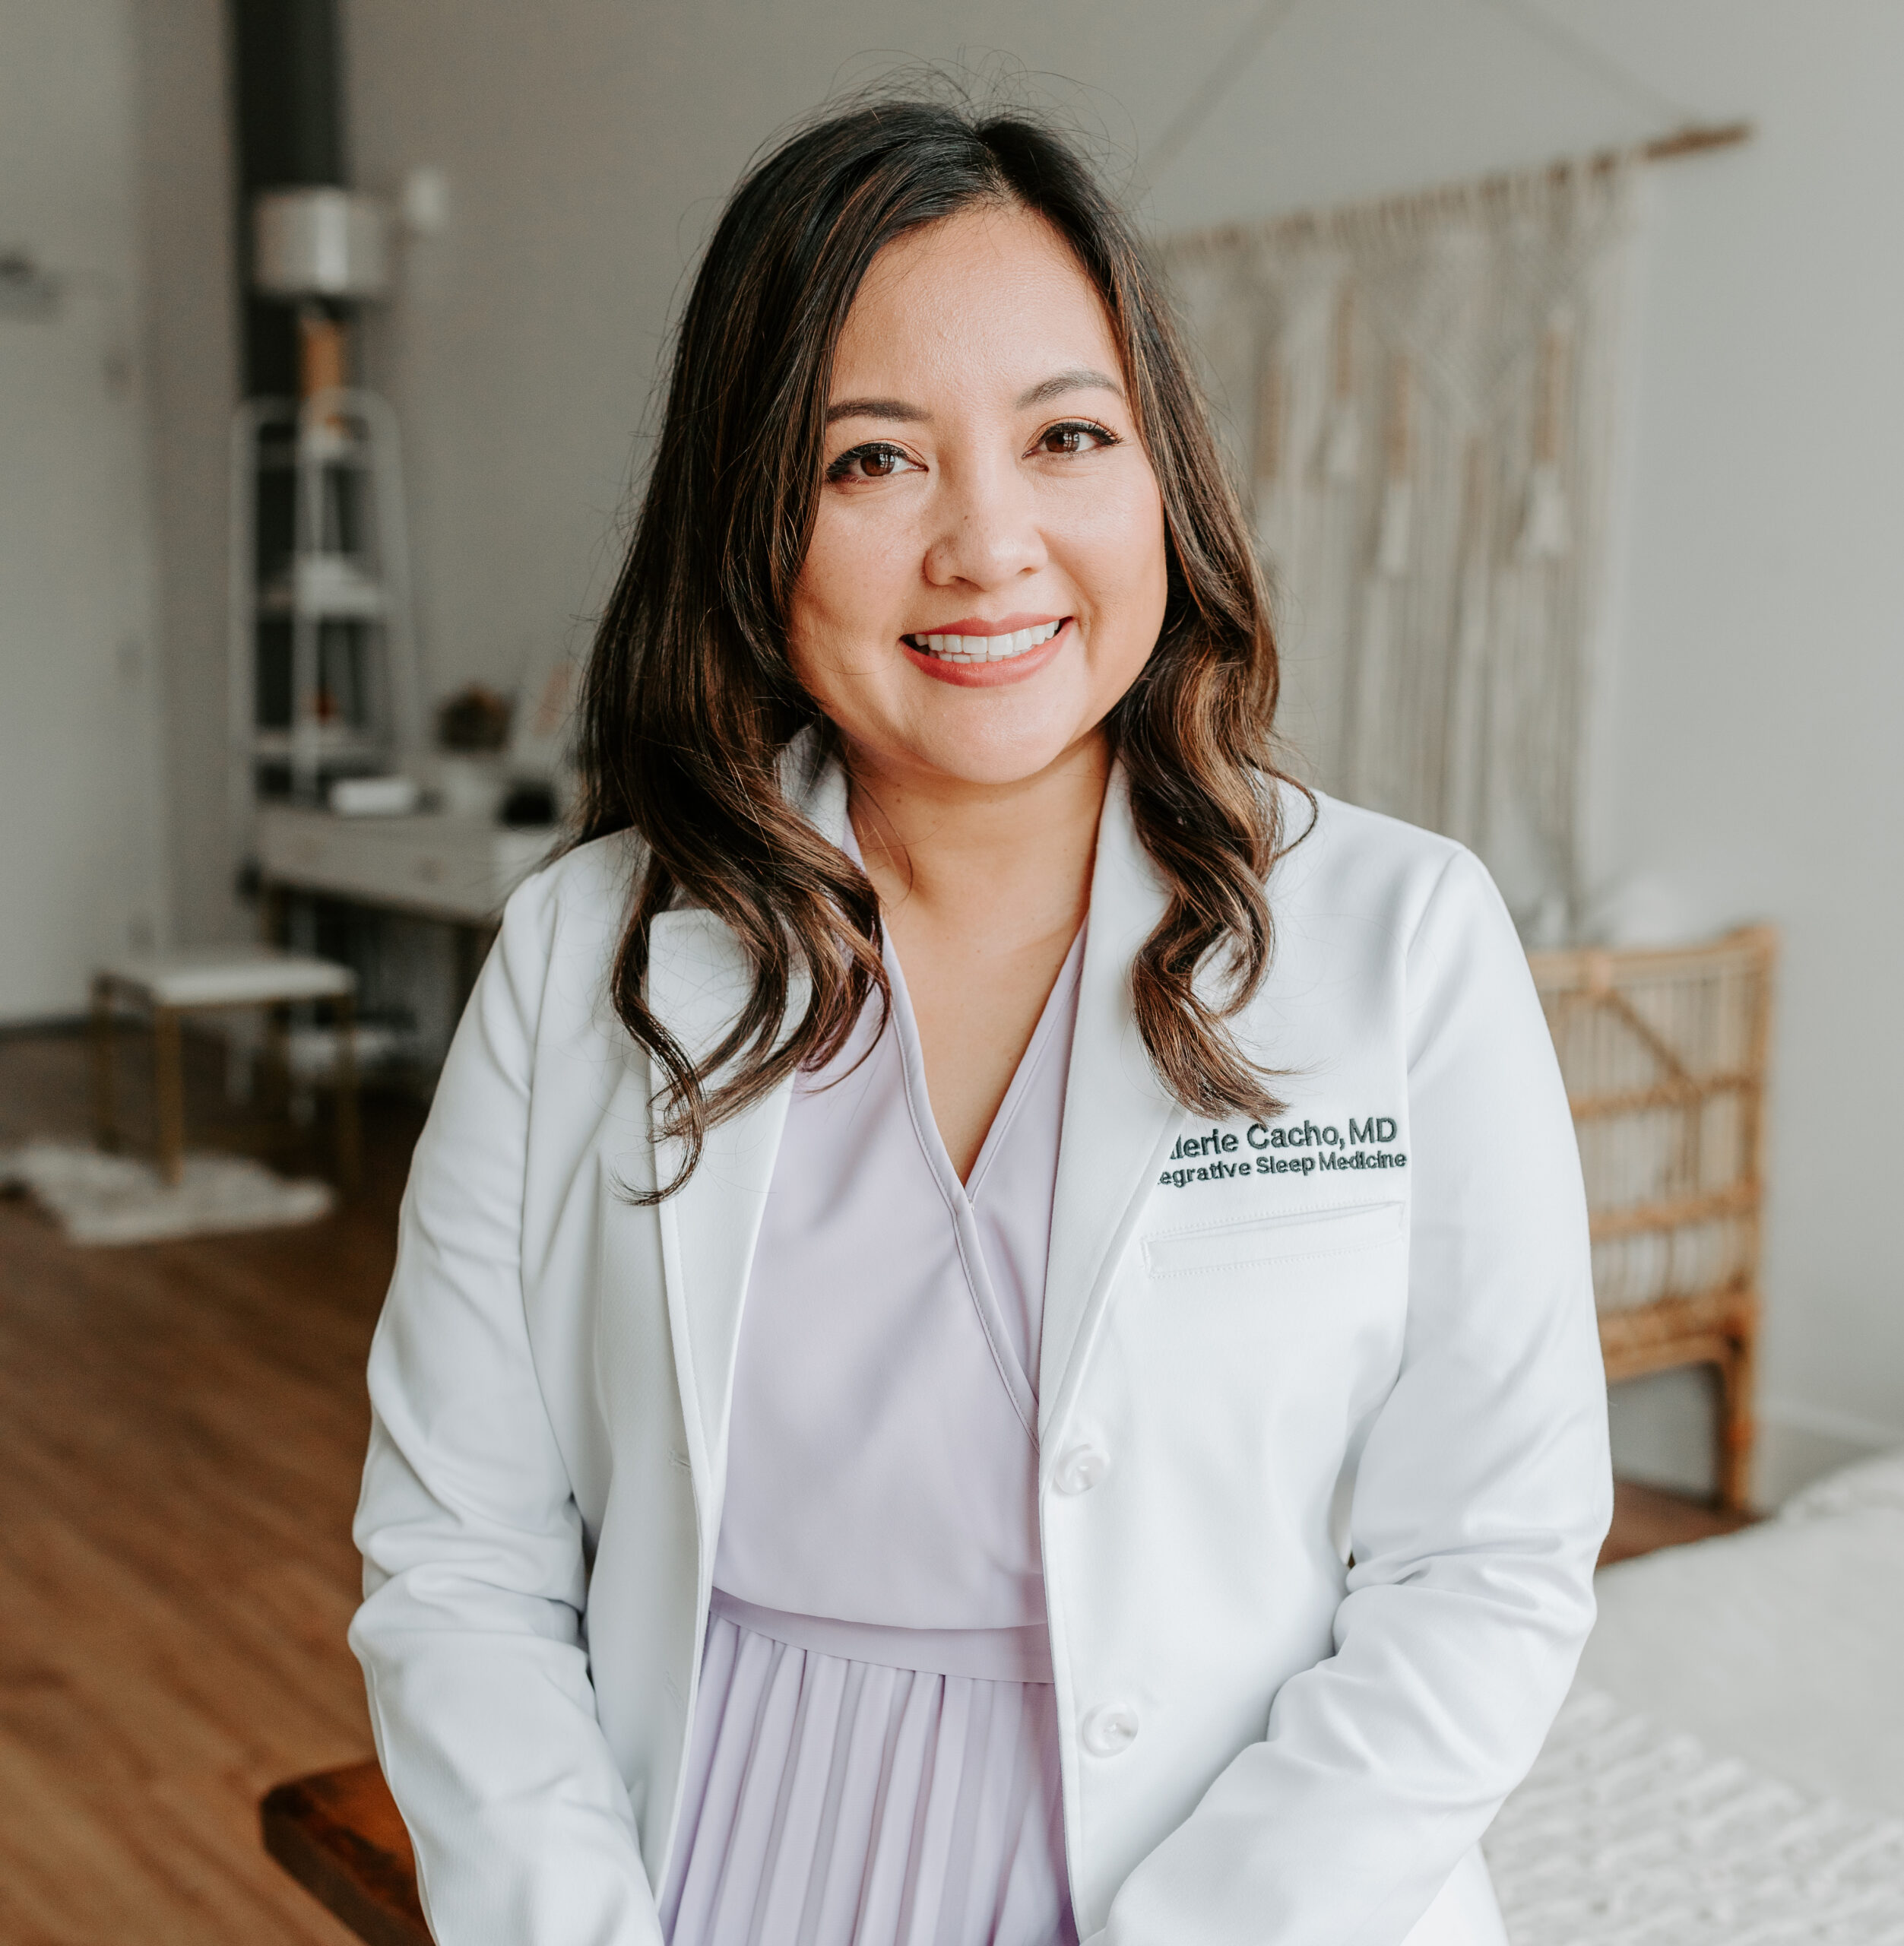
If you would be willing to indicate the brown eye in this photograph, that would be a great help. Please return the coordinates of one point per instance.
(877, 461)
(1073, 436)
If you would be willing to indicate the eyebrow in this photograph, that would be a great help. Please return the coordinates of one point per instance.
(877, 408)
(1080, 378)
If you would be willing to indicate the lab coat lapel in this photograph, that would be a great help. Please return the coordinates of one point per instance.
(1118, 1120)
(698, 982)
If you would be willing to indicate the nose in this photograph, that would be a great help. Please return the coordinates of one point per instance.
(986, 533)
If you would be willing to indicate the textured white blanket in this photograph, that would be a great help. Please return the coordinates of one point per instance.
(1782, 1646)
(1628, 1834)
(1729, 1770)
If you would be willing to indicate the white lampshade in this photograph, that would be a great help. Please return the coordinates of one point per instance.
(321, 243)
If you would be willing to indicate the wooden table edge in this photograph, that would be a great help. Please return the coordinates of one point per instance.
(365, 1880)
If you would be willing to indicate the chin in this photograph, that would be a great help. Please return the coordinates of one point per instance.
(989, 738)
(1004, 754)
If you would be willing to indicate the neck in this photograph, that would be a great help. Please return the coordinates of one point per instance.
(1012, 857)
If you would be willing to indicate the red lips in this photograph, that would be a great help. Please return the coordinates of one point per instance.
(990, 675)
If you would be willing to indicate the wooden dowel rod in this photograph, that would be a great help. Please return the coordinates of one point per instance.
(1695, 138)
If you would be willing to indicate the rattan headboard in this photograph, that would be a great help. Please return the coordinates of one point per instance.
(1664, 1056)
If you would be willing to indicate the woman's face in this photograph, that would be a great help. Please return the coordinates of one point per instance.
(987, 571)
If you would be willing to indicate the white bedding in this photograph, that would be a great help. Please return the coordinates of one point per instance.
(1627, 1834)
(1730, 1766)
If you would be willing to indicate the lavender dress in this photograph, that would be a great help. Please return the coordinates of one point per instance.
(874, 1759)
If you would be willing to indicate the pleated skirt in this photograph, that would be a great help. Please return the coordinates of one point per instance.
(838, 1795)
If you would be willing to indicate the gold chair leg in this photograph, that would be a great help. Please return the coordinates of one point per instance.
(169, 1080)
(350, 1133)
(106, 1128)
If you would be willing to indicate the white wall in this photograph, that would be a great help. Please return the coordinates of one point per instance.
(587, 149)
(192, 385)
(1752, 767)
(81, 859)
(1746, 771)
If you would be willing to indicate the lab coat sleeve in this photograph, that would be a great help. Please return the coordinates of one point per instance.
(471, 1632)
(1483, 1494)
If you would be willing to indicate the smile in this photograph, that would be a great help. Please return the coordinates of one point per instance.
(984, 648)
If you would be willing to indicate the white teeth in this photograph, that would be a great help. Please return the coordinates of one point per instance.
(985, 648)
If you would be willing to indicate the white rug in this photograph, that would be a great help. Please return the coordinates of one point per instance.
(100, 1199)
(1627, 1834)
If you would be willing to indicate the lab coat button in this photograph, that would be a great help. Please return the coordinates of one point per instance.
(1109, 1730)
(1080, 1469)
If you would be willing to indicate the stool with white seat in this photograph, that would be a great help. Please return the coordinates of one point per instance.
(202, 979)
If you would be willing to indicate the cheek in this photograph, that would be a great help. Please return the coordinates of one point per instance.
(1117, 556)
(824, 595)
(835, 618)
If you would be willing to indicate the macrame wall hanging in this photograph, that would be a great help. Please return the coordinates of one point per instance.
(1420, 397)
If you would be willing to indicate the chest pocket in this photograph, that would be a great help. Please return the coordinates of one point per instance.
(1288, 1240)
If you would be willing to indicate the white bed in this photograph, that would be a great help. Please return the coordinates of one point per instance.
(1729, 1770)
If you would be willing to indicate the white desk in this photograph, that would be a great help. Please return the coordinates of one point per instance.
(440, 866)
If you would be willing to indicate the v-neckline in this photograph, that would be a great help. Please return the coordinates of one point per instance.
(1017, 1376)
(912, 1059)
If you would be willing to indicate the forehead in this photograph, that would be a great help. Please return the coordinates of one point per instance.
(992, 297)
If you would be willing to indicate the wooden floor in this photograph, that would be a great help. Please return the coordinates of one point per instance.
(181, 1430)
(1645, 1518)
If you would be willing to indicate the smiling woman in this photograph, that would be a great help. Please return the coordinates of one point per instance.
(840, 1476)
(925, 384)
(967, 340)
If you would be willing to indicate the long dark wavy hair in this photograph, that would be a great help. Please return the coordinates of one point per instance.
(691, 699)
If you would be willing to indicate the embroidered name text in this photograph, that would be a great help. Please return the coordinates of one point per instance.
(1318, 1146)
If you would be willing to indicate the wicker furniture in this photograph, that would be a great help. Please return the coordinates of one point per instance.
(1664, 1054)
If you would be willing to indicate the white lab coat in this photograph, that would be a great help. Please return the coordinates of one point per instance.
(1365, 1330)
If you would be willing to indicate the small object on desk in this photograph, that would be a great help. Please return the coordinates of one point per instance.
(467, 783)
(475, 718)
(531, 803)
(375, 796)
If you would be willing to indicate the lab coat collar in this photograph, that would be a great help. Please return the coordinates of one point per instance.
(1118, 1120)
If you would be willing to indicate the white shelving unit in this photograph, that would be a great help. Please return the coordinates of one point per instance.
(324, 678)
